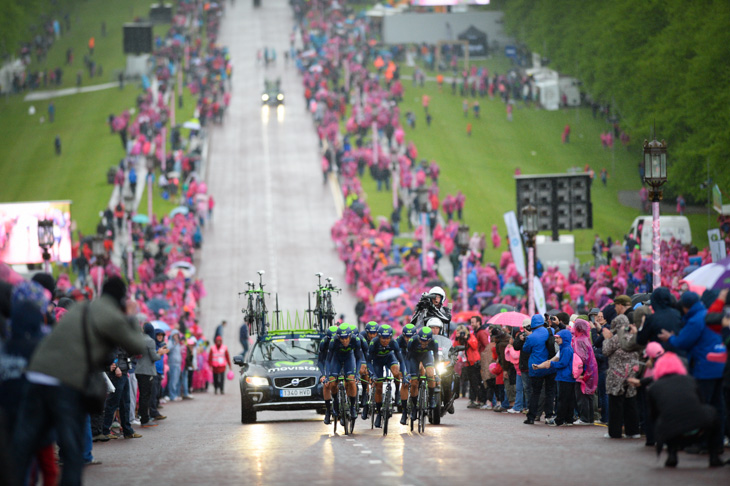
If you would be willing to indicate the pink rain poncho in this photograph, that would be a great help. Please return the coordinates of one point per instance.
(584, 349)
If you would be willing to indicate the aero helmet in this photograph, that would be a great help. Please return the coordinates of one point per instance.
(385, 331)
(425, 334)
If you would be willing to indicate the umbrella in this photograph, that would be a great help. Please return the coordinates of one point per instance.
(160, 325)
(514, 290)
(484, 295)
(711, 276)
(156, 304)
(511, 319)
(604, 291)
(141, 218)
(435, 283)
(495, 309)
(553, 312)
(173, 174)
(397, 272)
(187, 269)
(643, 298)
(388, 294)
(464, 316)
(193, 124)
(179, 210)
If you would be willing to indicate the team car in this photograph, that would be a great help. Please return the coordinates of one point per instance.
(272, 95)
(280, 373)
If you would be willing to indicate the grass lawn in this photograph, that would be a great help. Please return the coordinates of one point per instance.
(29, 168)
(482, 165)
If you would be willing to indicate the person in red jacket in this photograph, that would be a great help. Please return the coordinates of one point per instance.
(218, 360)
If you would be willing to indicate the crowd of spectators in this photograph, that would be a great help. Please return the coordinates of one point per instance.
(592, 357)
(135, 341)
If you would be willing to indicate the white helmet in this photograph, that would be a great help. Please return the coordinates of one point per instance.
(435, 322)
(438, 291)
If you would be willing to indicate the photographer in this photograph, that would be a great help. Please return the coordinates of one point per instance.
(477, 392)
(431, 305)
(118, 373)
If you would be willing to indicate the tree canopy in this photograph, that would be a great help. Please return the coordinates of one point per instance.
(655, 61)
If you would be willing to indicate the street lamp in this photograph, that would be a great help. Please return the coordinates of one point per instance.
(655, 175)
(422, 201)
(529, 226)
(462, 239)
(45, 241)
(97, 248)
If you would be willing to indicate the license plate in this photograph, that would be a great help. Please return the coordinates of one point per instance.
(306, 392)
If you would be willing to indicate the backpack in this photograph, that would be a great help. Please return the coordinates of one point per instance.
(550, 345)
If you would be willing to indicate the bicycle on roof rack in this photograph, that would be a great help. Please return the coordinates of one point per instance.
(324, 310)
(255, 313)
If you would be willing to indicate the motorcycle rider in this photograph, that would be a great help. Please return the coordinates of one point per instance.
(321, 363)
(382, 352)
(422, 351)
(409, 330)
(366, 336)
(342, 354)
(431, 305)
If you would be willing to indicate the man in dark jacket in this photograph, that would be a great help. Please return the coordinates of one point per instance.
(679, 415)
(700, 343)
(665, 316)
(57, 374)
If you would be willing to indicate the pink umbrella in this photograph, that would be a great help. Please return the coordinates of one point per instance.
(511, 319)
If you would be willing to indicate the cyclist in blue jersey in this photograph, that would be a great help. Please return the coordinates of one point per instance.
(409, 330)
(422, 352)
(341, 357)
(321, 364)
(366, 336)
(383, 351)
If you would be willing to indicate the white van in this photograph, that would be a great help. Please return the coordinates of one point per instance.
(676, 227)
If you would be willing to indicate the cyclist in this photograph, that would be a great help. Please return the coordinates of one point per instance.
(366, 336)
(431, 305)
(409, 330)
(422, 351)
(383, 351)
(321, 364)
(342, 354)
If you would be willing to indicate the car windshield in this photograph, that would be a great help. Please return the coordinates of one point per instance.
(286, 349)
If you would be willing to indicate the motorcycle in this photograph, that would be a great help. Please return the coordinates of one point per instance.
(445, 384)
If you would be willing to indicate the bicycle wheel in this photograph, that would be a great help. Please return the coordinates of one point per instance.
(344, 409)
(371, 406)
(422, 407)
(386, 408)
(258, 317)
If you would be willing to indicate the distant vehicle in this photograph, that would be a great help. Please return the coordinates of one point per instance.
(676, 227)
(272, 95)
(281, 373)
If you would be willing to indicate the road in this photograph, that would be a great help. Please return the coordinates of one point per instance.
(273, 213)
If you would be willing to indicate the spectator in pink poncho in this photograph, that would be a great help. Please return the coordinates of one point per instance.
(585, 371)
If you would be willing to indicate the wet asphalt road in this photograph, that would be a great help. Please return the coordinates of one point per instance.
(274, 213)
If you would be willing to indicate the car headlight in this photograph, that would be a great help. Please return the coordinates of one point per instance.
(441, 368)
(264, 97)
(280, 97)
(257, 381)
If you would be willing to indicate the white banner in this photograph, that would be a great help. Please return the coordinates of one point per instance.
(515, 241)
(539, 293)
(717, 245)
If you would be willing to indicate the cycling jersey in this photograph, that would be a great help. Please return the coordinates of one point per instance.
(365, 342)
(322, 356)
(341, 358)
(380, 356)
(417, 355)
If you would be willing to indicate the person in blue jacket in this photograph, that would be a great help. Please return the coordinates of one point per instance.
(536, 346)
(321, 364)
(698, 341)
(365, 337)
(563, 364)
(342, 354)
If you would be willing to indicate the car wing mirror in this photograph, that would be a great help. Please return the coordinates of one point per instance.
(239, 360)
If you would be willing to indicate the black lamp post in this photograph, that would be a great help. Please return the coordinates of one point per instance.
(45, 241)
(529, 226)
(462, 239)
(655, 175)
